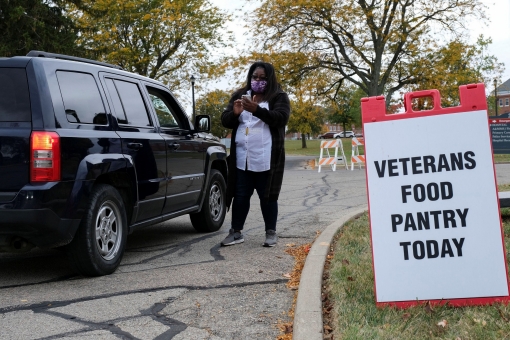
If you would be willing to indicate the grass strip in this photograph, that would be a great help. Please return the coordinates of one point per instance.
(294, 147)
(350, 289)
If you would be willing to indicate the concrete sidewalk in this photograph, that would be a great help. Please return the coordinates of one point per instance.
(308, 313)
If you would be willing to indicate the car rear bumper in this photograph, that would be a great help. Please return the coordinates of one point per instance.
(42, 215)
(41, 227)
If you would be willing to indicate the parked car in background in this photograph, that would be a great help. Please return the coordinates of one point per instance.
(328, 135)
(345, 134)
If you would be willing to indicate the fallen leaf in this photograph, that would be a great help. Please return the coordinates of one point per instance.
(350, 278)
(290, 245)
(484, 323)
(344, 261)
(287, 275)
(261, 271)
(502, 315)
(406, 316)
(442, 323)
(288, 328)
(428, 307)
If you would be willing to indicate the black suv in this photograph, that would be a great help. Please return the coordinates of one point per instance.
(89, 153)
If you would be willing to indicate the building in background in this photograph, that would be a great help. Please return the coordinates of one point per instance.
(503, 98)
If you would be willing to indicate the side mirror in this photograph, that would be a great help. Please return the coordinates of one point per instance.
(202, 123)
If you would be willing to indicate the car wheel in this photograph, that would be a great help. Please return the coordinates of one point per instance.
(99, 243)
(212, 215)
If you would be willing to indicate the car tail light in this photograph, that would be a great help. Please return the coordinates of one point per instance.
(44, 156)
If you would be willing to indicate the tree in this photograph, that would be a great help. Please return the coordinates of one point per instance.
(306, 118)
(372, 44)
(161, 39)
(213, 104)
(457, 63)
(345, 107)
(35, 25)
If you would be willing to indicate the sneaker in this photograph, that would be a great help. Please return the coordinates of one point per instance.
(271, 238)
(233, 237)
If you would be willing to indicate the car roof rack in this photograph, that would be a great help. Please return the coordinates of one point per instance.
(68, 57)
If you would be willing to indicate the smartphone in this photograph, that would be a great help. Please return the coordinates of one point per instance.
(247, 96)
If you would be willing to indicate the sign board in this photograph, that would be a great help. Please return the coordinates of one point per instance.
(434, 213)
(500, 131)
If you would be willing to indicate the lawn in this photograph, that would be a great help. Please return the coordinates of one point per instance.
(351, 291)
(313, 147)
(293, 147)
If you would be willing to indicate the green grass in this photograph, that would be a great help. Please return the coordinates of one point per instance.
(351, 289)
(293, 147)
(501, 158)
(313, 148)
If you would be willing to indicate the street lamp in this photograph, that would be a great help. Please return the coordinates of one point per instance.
(193, 96)
(496, 95)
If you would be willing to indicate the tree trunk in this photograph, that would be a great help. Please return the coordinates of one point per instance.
(303, 141)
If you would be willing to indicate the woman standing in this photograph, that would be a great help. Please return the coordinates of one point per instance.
(257, 114)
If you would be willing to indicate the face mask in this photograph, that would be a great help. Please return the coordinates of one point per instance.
(258, 85)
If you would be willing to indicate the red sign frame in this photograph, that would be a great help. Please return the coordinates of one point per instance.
(472, 98)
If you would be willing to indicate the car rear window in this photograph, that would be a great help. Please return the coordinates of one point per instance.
(82, 101)
(14, 97)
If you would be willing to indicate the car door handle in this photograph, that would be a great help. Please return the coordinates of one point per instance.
(135, 146)
(174, 146)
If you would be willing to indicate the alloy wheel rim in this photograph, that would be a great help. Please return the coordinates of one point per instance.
(215, 202)
(108, 230)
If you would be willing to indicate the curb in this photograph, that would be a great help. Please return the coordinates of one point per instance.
(308, 313)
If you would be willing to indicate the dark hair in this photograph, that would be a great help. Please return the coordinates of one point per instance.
(272, 87)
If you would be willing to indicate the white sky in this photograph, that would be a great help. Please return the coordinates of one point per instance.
(498, 29)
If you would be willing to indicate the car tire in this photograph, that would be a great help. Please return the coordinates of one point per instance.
(99, 243)
(212, 215)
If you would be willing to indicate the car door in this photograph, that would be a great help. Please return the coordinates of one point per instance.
(185, 152)
(141, 141)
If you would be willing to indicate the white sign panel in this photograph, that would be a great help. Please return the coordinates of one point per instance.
(435, 223)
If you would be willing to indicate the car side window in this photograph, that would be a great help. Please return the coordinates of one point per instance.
(166, 116)
(117, 105)
(81, 97)
(129, 106)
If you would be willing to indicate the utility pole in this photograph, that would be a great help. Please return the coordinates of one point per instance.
(193, 97)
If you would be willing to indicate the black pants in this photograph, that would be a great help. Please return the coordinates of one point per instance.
(246, 183)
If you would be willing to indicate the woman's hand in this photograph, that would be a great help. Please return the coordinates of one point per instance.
(250, 105)
(238, 107)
